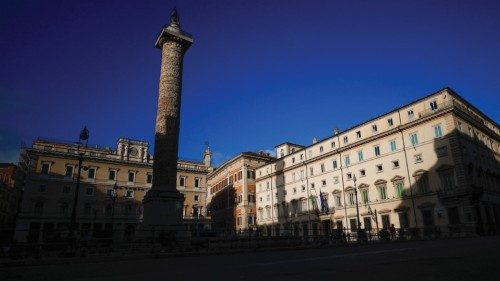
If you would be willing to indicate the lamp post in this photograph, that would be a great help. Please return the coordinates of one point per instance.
(359, 230)
(114, 196)
(84, 136)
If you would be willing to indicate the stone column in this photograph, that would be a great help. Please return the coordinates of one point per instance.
(163, 203)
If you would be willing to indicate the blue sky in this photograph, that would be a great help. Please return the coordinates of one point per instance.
(259, 72)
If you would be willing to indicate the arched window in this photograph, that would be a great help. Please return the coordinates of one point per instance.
(38, 208)
(422, 181)
(63, 209)
(87, 209)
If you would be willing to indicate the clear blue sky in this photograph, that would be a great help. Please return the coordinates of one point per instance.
(259, 72)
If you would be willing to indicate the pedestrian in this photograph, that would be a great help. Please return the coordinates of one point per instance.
(392, 230)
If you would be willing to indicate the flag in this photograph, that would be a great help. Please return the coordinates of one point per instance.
(323, 202)
(374, 215)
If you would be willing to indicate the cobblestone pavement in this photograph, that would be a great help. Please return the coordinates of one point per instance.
(457, 259)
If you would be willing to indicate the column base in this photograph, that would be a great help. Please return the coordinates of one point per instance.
(163, 208)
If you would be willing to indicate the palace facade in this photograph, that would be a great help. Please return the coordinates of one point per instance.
(432, 164)
(231, 193)
(113, 183)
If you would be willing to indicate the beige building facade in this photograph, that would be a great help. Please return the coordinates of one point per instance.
(231, 193)
(113, 183)
(431, 165)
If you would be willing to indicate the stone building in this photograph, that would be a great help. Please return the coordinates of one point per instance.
(50, 180)
(231, 193)
(432, 164)
(10, 192)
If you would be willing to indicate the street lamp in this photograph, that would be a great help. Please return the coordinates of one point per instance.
(359, 230)
(84, 136)
(114, 195)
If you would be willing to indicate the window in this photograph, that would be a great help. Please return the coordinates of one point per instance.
(382, 191)
(414, 139)
(338, 201)
(393, 146)
(267, 185)
(309, 153)
(386, 222)
(45, 168)
(182, 181)
(38, 208)
(438, 132)
(346, 140)
(377, 150)
(418, 158)
(399, 189)
(268, 198)
(293, 159)
(69, 171)
(42, 188)
(196, 198)
(311, 171)
(364, 196)
(395, 164)
(293, 177)
(149, 178)
(323, 182)
(411, 115)
(335, 180)
(334, 164)
(349, 176)
(294, 191)
(453, 216)
(91, 173)
(442, 151)
(63, 209)
(422, 180)
(333, 144)
(459, 125)
(312, 185)
(380, 169)
(110, 193)
(322, 168)
(354, 225)
(368, 223)
(303, 188)
(197, 182)
(131, 176)
(89, 191)
(403, 220)
(362, 173)
(360, 155)
(87, 209)
(282, 153)
(347, 160)
(390, 122)
(66, 189)
(250, 220)
(447, 179)
(374, 128)
(112, 175)
(358, 134)
(129, 193)
(321, 149)
(434, 105)
(301, 174)
(352, 198)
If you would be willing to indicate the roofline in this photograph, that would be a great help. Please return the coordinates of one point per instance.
(446, 88)
(294, 144)
(240, 155)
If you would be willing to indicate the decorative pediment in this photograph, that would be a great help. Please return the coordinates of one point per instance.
(363, 185)
(401, 209)
(268, 207)
(260, 208)
(444, 167)
(397, 178)
(337, 191)
(384, 211)
(426, 205)
(380, 182)
(39, 199)
(349, 188)
(419, 172)
(338, 217)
